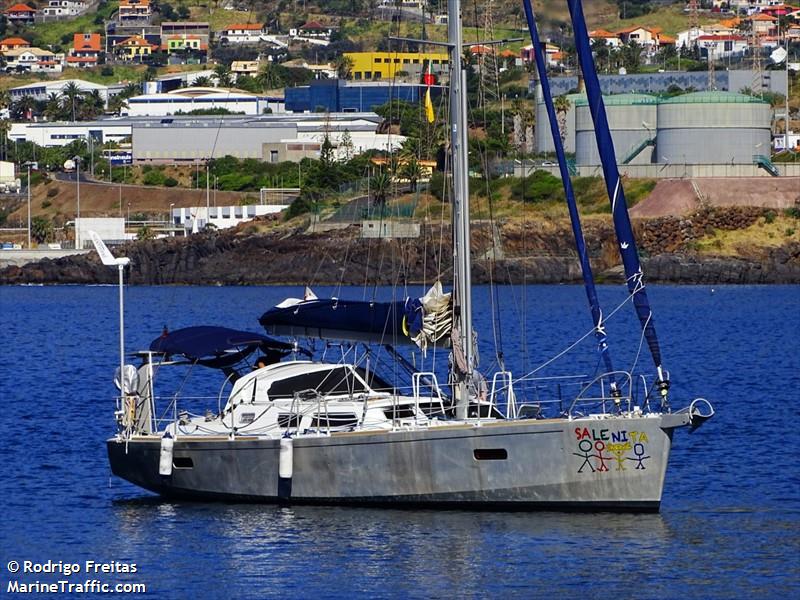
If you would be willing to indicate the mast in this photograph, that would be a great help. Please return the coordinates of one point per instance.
(461, 239)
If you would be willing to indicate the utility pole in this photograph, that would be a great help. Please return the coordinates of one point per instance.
(78, 240)
(29, 205)
(208, 195)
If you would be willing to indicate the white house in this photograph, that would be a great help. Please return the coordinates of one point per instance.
(242, 33)
(64, 8)
(722, 46)
(611, 39)
(688, 37)
(33, 60)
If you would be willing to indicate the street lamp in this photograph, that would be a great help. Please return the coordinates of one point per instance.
(78, 240)
(28, 164)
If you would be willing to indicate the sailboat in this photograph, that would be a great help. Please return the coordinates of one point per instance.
(306, 430)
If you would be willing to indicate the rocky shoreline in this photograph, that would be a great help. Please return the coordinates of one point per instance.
(534, 253)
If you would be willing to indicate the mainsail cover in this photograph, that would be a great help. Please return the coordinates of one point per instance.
(619, 207)
(419, 321)
(575, 219)
(216, 347)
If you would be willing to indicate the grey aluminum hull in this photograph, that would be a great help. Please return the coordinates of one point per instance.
(616, 463)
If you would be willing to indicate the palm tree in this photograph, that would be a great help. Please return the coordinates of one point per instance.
(132, 89)
(202, 81)
(271, 77)
(116, 104)
(411, 170)
(380, 183)
(524, 119)
(5, 126)
(41, 228)
(53, 109)
(222, 74)
(562, 106)
(72, 95)
(23, 108)
(92, 105)
(344, 66)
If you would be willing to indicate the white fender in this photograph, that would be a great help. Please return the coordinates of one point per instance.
(165, 460)
(285, 461)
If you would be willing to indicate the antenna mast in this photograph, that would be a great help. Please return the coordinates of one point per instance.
(755, 49)
(490, 76)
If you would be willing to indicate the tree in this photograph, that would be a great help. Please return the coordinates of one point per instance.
(346, 145)
(54, 108)
(145, 233)
(202, 81)
(92, 105)
(222, 73)
(116, 104)
(562, 106)
(379, 184)
(248, 84)
(41, 229)
(410, 169)
(631, 56)
(344, 66)
(271, 76)
(23, 108)
(72, 97)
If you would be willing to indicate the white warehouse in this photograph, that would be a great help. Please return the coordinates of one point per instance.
(186, 100)
(52, 134)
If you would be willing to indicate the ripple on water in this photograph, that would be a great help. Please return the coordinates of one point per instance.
(730, 514)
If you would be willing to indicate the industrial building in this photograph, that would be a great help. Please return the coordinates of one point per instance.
(41, 90)
(272, 138)
(386, 65)
(186, 100)
(697, 128)
(337, 95)
(50, 134)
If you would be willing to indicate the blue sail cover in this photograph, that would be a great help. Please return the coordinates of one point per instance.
(619, 207)
(569, 193)
(216, 347)
(351, 320)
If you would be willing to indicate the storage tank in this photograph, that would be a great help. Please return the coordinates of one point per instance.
(713, 128)
(632, 119)
(542, 135)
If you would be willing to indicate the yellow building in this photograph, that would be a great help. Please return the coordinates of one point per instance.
(134, 48)
(385, 65)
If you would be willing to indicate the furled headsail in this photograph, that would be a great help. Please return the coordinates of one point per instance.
(419, 321)
(569, 193)
(616, 194)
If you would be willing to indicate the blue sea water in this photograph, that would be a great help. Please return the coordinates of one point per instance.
(728, 528)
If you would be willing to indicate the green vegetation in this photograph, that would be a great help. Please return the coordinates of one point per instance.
(58, 34)
(671, 19)
(41, 229)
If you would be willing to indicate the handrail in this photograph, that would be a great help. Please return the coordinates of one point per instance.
(617, 395)
(508, 385)
(433, 384)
